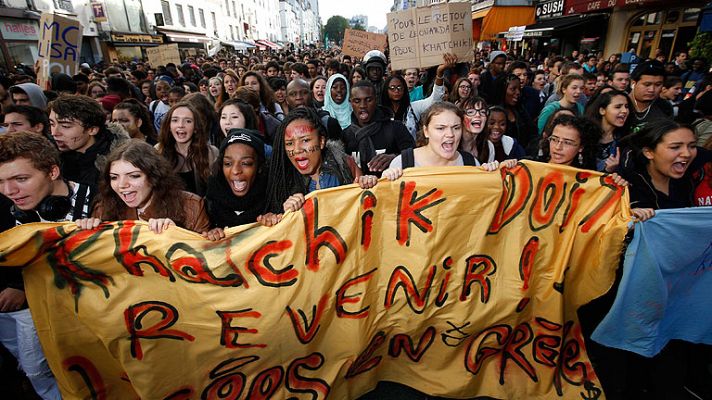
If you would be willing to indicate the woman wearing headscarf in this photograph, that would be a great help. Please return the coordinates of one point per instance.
(336, 99)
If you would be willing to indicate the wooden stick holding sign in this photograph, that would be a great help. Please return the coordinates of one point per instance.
(419, 37)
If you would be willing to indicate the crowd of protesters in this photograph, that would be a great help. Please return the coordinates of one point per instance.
(235, 139)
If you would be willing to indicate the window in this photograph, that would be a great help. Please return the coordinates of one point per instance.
(215, 22)
(232, 33)
(234, 9)
(227, 7)
(191, 14)
(181, 17)
(664, 32)
(202, 17)
(167, 17)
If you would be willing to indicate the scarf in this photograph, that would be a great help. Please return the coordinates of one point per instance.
(226, 209)
(363, 136)
(342, 112)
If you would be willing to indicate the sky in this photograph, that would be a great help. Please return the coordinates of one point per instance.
(376, 10)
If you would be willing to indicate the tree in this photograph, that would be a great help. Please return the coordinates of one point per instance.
(335, 27)
(358, 27)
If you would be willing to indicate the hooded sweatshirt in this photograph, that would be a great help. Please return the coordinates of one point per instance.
(35, 93)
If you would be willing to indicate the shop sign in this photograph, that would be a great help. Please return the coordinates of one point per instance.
(586, 6)
(99, 11)
(549, 9)
(128, 38)
(18, 29)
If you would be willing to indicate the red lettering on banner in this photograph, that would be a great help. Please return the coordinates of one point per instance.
(402, 342)
(517, 189)
(317, 237)
(410, 208)
(368, 202)
(194, 268)
(266, 384)
(442, 293)
(132, 257)
(342, 298)
(574, 198)
(610, 200)
(89, 373)
(526, 261)
(228, 382)
(401, 277)
(133, 317)
(297, 383)
(229, 335)
(507, 345)
(365, 361)
(479, 269)
(267, 275)
(307, 332)
(549, 197)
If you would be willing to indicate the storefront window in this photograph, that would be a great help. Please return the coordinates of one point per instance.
(133, 10)
(691, 14)
(22, 53)
(666, 30)
(128, 54)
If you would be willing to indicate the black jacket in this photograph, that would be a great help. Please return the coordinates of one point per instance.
(385, 135)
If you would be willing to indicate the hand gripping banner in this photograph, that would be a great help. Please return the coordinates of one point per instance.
(454, 281)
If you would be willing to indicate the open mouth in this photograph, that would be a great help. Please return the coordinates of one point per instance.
(239, 186)
(302, 163)
(448, 146)
(128, 197)
(20, 201)
(679, 167)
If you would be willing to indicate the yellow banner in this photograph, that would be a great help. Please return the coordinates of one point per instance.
(453, 281)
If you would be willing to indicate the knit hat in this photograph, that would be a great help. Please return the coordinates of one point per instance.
(248, 137)
(496, 54)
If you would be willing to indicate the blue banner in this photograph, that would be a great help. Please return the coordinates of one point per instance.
(666, 289)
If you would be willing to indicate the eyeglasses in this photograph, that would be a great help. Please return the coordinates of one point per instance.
(464, 87)
(471, 112)
(555, 140)
(397, 88)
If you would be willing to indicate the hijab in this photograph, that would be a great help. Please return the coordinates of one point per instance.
(342, 112)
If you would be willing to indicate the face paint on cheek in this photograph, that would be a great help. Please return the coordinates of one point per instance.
(313, 149)
(290, 153)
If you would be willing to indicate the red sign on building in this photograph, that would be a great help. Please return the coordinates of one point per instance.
(587, 6)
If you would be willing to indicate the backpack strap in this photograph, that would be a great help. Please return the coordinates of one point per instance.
(407, 158)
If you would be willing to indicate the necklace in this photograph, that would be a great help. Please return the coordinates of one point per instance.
(647, 110)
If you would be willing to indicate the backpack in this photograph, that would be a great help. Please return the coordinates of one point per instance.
(408, 158)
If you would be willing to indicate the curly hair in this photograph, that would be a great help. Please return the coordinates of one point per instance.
(589, 135)
(42, 153)
(138, 110)
(403, 103)
(266, 93)
(198, 152)
(284, 179)
(83, 109)
(165, 185)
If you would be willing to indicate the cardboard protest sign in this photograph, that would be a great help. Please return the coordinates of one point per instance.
(163, 54)
(358, 43)
(418, 37)
(424, 281)
(58, 48)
